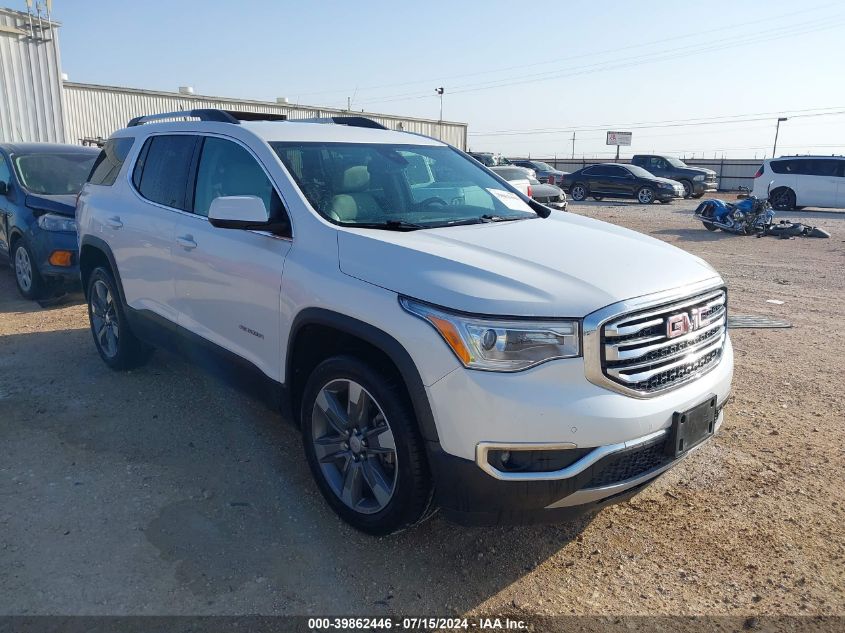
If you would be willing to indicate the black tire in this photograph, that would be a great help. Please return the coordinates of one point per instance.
(710, 227)
(782, 199)
(579, 191)
(598, 198)
(645, 195)
(412, 491)
(688, 190)
(106, 317)
(30, 283)
(665, 202)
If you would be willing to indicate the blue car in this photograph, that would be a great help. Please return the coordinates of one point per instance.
(38, 187)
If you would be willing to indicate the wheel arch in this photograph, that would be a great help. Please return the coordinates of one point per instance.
(318, 333)
(94, 252)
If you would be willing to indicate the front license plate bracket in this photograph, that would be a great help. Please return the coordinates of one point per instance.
(691, 427)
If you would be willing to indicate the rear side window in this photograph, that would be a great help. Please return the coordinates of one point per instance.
(108, 163)
(161, 172)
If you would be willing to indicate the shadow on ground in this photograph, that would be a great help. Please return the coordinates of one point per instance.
(165, 487)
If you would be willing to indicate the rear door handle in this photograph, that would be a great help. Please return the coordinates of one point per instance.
(114, 222)
(187, 242)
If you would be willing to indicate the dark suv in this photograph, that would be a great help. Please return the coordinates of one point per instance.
(696, 180)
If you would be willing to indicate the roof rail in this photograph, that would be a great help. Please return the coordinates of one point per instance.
(352, 121)
(236, 116)
(206, 114)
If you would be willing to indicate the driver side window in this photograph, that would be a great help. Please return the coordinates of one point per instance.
(227, 169)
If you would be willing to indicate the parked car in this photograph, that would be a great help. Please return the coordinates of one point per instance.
(549, 195)
(802, 181)
(38, 187)
(696, 180)
(437, 336)
(544, 172)
(523, 179)
(519, 177)
(489, 159)
(611, 180)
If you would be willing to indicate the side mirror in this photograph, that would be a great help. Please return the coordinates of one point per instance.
(4, 188)
(238, 212)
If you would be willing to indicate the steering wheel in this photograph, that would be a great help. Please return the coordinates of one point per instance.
(434, 200)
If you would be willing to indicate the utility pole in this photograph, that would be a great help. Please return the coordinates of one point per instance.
(573, 144)
(777, 129)
(440, 92)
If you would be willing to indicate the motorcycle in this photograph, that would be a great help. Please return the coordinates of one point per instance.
(749, 216)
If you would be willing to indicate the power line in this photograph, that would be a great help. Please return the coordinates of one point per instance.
(744, 26)
(666, 54)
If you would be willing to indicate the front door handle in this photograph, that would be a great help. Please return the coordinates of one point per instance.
(187, 242)
(114, 222)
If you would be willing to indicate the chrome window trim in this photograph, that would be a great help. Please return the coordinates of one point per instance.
(593, 322)
(483, 448)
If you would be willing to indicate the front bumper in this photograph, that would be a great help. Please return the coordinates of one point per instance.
(669, 194)
(468, 495)
(44, 243)
(552, 405)
(702, 187)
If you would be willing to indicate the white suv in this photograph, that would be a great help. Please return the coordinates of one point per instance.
(793, 182)
(440, 338)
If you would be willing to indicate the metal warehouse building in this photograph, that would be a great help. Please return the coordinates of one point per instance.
(36, 104)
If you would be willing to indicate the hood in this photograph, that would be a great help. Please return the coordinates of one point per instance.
(666, 180)
(693, 171)
(64, 204)
(562, 266)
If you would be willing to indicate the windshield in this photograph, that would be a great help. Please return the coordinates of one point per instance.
(393, 186)
(675, 162)
(54, 174)
(543, 166)
(639, 172)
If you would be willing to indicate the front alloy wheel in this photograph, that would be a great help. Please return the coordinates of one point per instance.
(355, 446)
(645, 195)
(578, 192)
(364, 447)
(104, 323)
(29, 282)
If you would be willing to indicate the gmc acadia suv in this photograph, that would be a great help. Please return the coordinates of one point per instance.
(441, 339)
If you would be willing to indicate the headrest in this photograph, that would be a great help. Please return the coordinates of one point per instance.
(352, 179)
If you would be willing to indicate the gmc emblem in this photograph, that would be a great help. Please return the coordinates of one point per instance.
(684, 323)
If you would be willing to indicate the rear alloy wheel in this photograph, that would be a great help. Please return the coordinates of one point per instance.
(363, 447)
(687, 188)
(117, 345)
(28, 279)
(578, 192)
(783, 199)
(645, 195)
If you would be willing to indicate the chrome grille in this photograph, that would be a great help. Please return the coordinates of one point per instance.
(638, 354)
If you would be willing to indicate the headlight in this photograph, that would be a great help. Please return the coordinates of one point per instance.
(666, 185)
(699, 178)
(500, 345)
(52, 222)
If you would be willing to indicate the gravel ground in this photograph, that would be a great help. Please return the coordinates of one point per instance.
(162, 491)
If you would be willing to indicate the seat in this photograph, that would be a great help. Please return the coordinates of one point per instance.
(351, 198)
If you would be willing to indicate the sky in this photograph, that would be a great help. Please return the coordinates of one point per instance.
(693, 79)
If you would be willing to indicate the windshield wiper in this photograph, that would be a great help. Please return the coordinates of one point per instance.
(500, 218)
(387, 225)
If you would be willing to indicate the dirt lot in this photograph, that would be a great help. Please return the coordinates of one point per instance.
(162, 491)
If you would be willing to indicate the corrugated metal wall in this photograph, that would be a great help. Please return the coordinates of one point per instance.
(31, 96)
(733, 173)
(97, 111)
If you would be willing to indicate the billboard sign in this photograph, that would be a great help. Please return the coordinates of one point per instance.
(618, 138)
